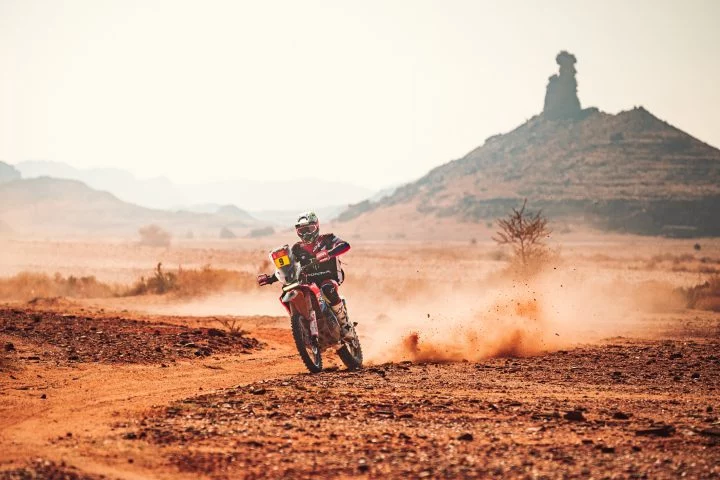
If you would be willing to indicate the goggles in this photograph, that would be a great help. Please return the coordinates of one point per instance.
(306, 229)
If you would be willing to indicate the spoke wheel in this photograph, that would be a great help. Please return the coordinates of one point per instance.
(351, 354)
(308, 347)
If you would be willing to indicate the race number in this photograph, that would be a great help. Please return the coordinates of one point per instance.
(281, 258)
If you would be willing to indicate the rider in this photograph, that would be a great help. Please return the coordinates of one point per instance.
(325, 272)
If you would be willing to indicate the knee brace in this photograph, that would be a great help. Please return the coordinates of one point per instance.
(330, 290)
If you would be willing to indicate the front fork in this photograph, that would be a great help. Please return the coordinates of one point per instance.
(313, 325)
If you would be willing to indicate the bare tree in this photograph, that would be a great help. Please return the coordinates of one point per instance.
(525, 232)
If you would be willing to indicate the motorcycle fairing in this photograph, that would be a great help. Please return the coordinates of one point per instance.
(303, 299)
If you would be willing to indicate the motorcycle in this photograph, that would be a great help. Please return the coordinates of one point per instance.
(315, 327)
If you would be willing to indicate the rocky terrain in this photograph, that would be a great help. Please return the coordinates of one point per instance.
(104, 388)
(592, 411)
(40, 469)
(625, 407)
(628, 172)
(72, 338)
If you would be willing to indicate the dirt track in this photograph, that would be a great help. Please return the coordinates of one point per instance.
(628, 408)
(61, 410)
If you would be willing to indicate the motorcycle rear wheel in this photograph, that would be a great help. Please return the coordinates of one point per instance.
(308, 348)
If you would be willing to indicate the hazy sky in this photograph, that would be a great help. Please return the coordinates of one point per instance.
(372, 92)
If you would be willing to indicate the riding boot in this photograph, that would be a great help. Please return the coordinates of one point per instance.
(346, 331)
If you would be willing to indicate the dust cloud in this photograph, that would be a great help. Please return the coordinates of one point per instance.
(228, 303)
(454, 318)
(505, 317)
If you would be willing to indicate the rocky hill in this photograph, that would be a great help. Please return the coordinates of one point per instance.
(629, 172)
(52, 206)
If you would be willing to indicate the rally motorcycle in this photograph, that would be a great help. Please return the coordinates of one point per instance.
(315, 327)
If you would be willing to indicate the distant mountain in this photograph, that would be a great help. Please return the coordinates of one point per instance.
(162, 193)
(629, 172)
(287, 218)
(8, 173)
(53, 206)
(153, 193)
(230, 211)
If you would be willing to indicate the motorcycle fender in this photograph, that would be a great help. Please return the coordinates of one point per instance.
(316, 291)
(288, 296)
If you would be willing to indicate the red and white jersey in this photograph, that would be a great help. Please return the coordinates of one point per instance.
(329, 269)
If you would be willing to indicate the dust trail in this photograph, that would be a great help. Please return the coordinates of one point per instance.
(411, 318)
(228, 303)
(501, 317)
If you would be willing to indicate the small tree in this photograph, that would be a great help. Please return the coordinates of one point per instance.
(226, 233)
(154, 236)
(524, 232)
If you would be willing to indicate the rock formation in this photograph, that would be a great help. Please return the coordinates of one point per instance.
(561, 100)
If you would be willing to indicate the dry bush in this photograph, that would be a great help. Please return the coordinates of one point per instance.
(674, 259)
(261, 232)
(154, 236)
(26, 286)
(158, 284)
(233, 326)
(498, 256)
(191, 283)
(226, 233)
(654, 296)
(525, 233)
(705, 296)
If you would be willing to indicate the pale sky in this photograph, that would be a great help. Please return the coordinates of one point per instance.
(370, 92)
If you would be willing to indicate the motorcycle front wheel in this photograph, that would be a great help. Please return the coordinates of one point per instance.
(351, 354)
(308, 347)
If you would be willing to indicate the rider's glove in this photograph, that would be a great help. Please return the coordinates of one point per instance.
(322, 256)
(263, 279)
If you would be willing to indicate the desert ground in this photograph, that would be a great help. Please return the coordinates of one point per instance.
(593, 367)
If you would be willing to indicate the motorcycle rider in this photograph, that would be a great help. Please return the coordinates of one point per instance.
(325, 272)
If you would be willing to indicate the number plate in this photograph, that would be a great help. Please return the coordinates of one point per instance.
(281, 258)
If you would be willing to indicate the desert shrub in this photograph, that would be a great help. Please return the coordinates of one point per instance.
(190, 282)
(27, 286)
(226, 233)
(232, 325)
(675, 259)
(655, 296)
(705, 296)
(498, 256)
(154, 236)
(261, 232)
(710, 260)
(159, 283)
(525, 233)
(706, 269)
